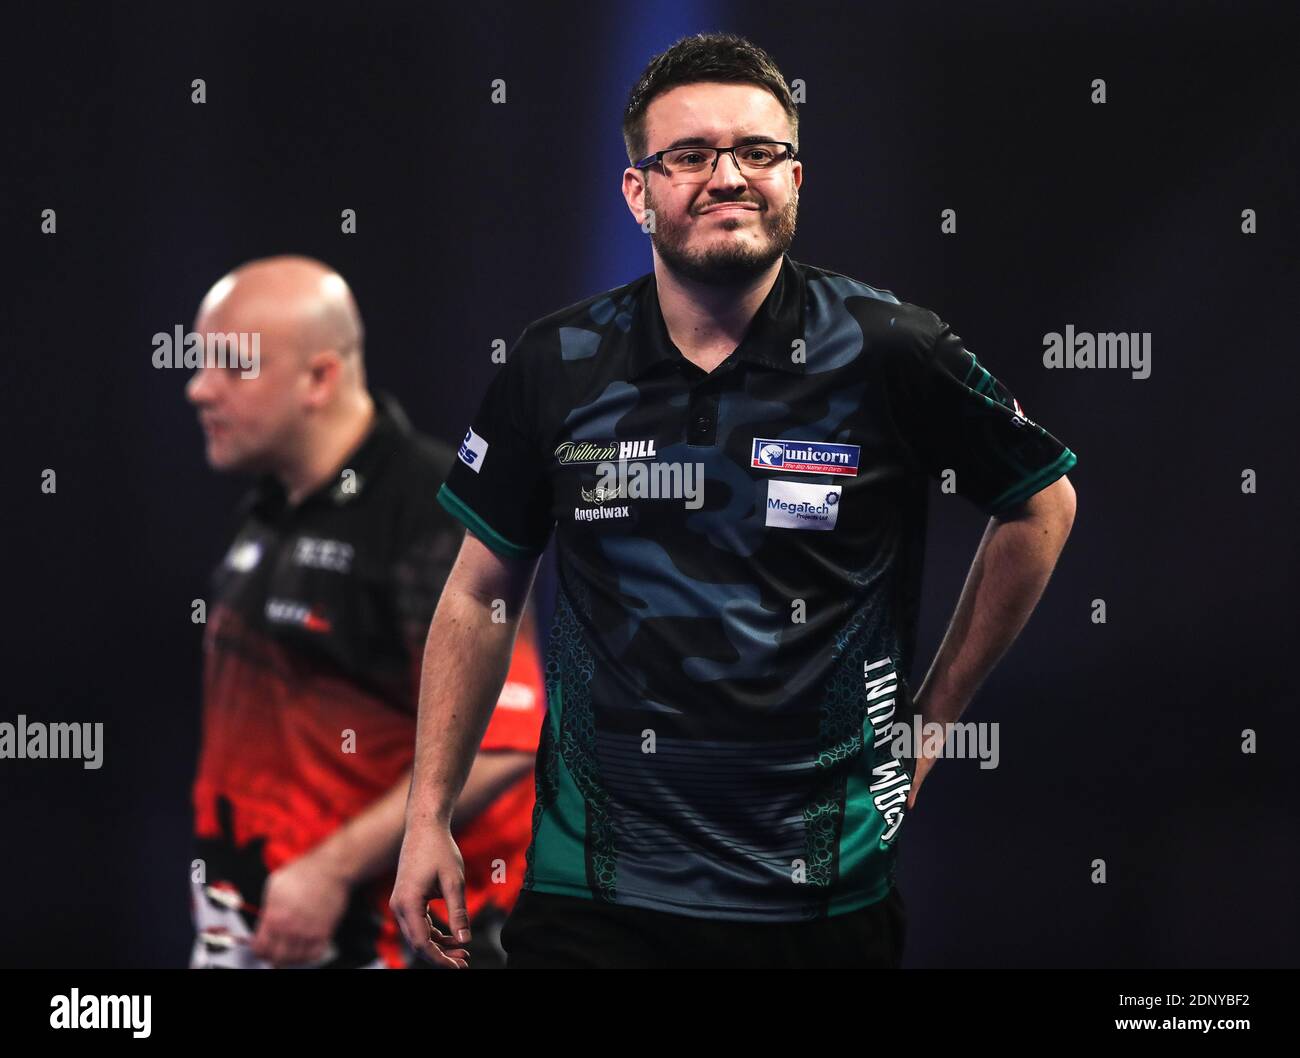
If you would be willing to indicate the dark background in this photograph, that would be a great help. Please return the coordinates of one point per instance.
(1118, 741)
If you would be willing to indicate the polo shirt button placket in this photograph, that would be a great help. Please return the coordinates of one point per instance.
(702, 417)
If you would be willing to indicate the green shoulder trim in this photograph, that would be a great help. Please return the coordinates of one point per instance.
(1035, 482)
(476, 525)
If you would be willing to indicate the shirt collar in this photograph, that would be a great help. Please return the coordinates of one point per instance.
(769, 341)
(365, 461)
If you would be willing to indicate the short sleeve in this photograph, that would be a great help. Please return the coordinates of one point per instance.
(953, 415)
(498, 485)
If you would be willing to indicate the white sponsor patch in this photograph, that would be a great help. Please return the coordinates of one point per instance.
(805, 457)
(245, 556)
(334, 555)
(800, 505)
(473, 450)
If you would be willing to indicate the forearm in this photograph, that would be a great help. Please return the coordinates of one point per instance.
(1011, 569)
(368, 844)
(466, 659)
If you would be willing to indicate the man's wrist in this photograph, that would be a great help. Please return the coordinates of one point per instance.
(332, 858)
(429, 809)
(942, 697)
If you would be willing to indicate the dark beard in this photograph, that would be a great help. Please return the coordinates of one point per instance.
(724, 265)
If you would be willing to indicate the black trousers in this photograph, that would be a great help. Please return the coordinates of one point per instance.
(550, 932)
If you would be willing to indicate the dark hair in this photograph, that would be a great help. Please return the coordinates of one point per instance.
(703, 57)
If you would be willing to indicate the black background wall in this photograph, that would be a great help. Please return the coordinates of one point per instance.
(1119, 741)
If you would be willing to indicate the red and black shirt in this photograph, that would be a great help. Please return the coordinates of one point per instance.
(313, 650)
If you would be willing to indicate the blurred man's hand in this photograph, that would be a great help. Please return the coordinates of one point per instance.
(302, 904)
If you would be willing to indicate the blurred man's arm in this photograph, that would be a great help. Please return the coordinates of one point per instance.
(368, 844)
(1011, 568)
(304, 900)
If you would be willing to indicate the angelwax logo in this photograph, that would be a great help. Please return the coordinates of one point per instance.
(600, 493)
(603, 451)
(805, 457)
(598, 514)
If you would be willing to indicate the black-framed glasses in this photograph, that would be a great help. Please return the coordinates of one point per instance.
(752, 158)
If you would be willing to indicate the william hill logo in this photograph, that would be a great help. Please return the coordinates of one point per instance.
(603, 451)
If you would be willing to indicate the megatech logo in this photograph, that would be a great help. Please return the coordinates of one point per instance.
(802, 504)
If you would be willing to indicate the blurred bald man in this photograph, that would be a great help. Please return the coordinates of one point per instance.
(313, 650)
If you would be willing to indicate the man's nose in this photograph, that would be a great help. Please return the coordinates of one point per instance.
(726, 173)
(200, 388)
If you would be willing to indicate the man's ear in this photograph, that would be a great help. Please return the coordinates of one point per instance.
(324, 372)
(634, 192)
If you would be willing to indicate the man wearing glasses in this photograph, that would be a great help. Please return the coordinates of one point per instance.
(717, 783)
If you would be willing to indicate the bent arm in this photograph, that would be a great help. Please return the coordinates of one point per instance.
(1011, 568)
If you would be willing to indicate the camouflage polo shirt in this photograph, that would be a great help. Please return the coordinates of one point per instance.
(739, 561)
